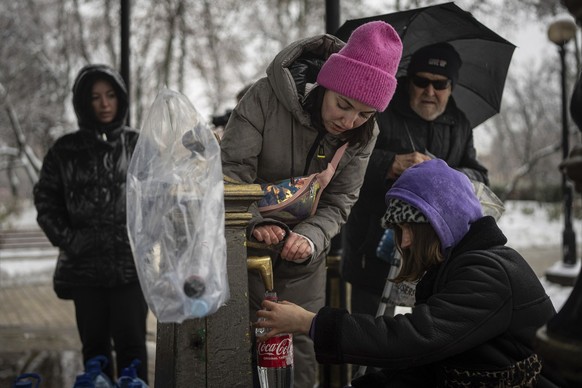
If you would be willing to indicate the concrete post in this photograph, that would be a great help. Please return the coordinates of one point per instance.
(214, 352)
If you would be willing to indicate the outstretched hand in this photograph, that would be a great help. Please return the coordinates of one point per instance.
(283, 317)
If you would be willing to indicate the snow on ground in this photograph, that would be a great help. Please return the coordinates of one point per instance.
(527, 224)
(26, 219)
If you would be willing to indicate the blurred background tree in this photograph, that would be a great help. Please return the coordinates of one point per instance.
(209, 50)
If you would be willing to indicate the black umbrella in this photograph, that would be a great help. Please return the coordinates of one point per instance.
(486, 55)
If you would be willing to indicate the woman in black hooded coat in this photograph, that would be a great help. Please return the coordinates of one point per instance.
(478, 302)
(81, 204)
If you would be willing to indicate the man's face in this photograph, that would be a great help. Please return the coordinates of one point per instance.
(426, 101)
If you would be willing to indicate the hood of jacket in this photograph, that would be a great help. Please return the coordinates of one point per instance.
(292, 87)
(444, 195)
(82, 98)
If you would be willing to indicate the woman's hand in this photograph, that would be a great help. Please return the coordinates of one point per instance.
(296, 248)
(269, 234)
(283, 317)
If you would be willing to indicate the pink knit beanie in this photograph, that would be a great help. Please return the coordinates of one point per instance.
(365, 68)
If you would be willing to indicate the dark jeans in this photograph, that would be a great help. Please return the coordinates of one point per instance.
(113, 314)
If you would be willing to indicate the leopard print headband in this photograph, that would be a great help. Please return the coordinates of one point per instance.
(400, 212)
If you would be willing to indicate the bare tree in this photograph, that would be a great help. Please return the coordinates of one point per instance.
(526, 134)
(35, 83)
(208, 50)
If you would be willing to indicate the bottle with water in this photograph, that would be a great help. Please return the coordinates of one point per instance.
(94, 376)
(128, 377)
(26, 380)
(386, 248)
(275, 356)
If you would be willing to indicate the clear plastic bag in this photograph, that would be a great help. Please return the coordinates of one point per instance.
(175, 212)
(490, 203)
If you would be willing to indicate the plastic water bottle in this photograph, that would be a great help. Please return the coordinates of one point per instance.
(94, 376)
(26, 380)
(128, 377)
(386, 248)
(84, 380)
(275, 356)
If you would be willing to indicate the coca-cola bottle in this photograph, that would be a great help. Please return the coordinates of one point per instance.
(275, 356)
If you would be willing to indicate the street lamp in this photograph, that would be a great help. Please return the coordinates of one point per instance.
(559, 342)
(574, 7)
(561, 32)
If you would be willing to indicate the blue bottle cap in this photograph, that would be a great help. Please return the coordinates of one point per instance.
(199, 308)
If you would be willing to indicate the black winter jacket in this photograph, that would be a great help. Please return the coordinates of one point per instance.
(81, 198)
(479, 310)
(402, 131)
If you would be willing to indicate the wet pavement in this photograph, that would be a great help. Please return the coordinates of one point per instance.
(38, 333)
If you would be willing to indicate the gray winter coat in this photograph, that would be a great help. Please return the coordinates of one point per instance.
(268, 138)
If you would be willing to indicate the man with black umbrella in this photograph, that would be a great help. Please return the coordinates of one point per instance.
(422, 122)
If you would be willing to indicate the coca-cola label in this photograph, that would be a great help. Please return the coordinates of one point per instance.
(276, 352)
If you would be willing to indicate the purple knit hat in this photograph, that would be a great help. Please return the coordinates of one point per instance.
(444, 195)
(365, 68)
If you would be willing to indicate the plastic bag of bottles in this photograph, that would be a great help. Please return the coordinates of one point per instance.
(175, 212)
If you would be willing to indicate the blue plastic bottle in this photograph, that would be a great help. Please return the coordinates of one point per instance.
(84, 380)
(386, 247)
(94, 376)
(128, 377)
(26, 380)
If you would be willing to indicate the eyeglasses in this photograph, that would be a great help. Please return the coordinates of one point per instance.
(422, 82)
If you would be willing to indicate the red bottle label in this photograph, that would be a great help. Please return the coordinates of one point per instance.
(276, 352)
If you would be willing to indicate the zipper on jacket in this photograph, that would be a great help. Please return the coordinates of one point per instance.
(321, 152)
(316, 146)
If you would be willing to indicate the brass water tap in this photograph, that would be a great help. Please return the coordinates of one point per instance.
(264, 265)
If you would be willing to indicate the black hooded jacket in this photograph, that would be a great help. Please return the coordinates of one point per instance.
(80, 196)
(477, 312)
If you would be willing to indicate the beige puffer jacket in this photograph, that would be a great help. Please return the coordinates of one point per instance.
(269, 136)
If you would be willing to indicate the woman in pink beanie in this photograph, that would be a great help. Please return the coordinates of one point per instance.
(319, 94)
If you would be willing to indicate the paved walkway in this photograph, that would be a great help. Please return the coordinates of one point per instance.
(33, 320)
(36, 309)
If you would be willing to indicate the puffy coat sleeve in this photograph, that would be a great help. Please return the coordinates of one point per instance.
(242, 151)
(242, 143)
(49, 200)
(474, 306)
